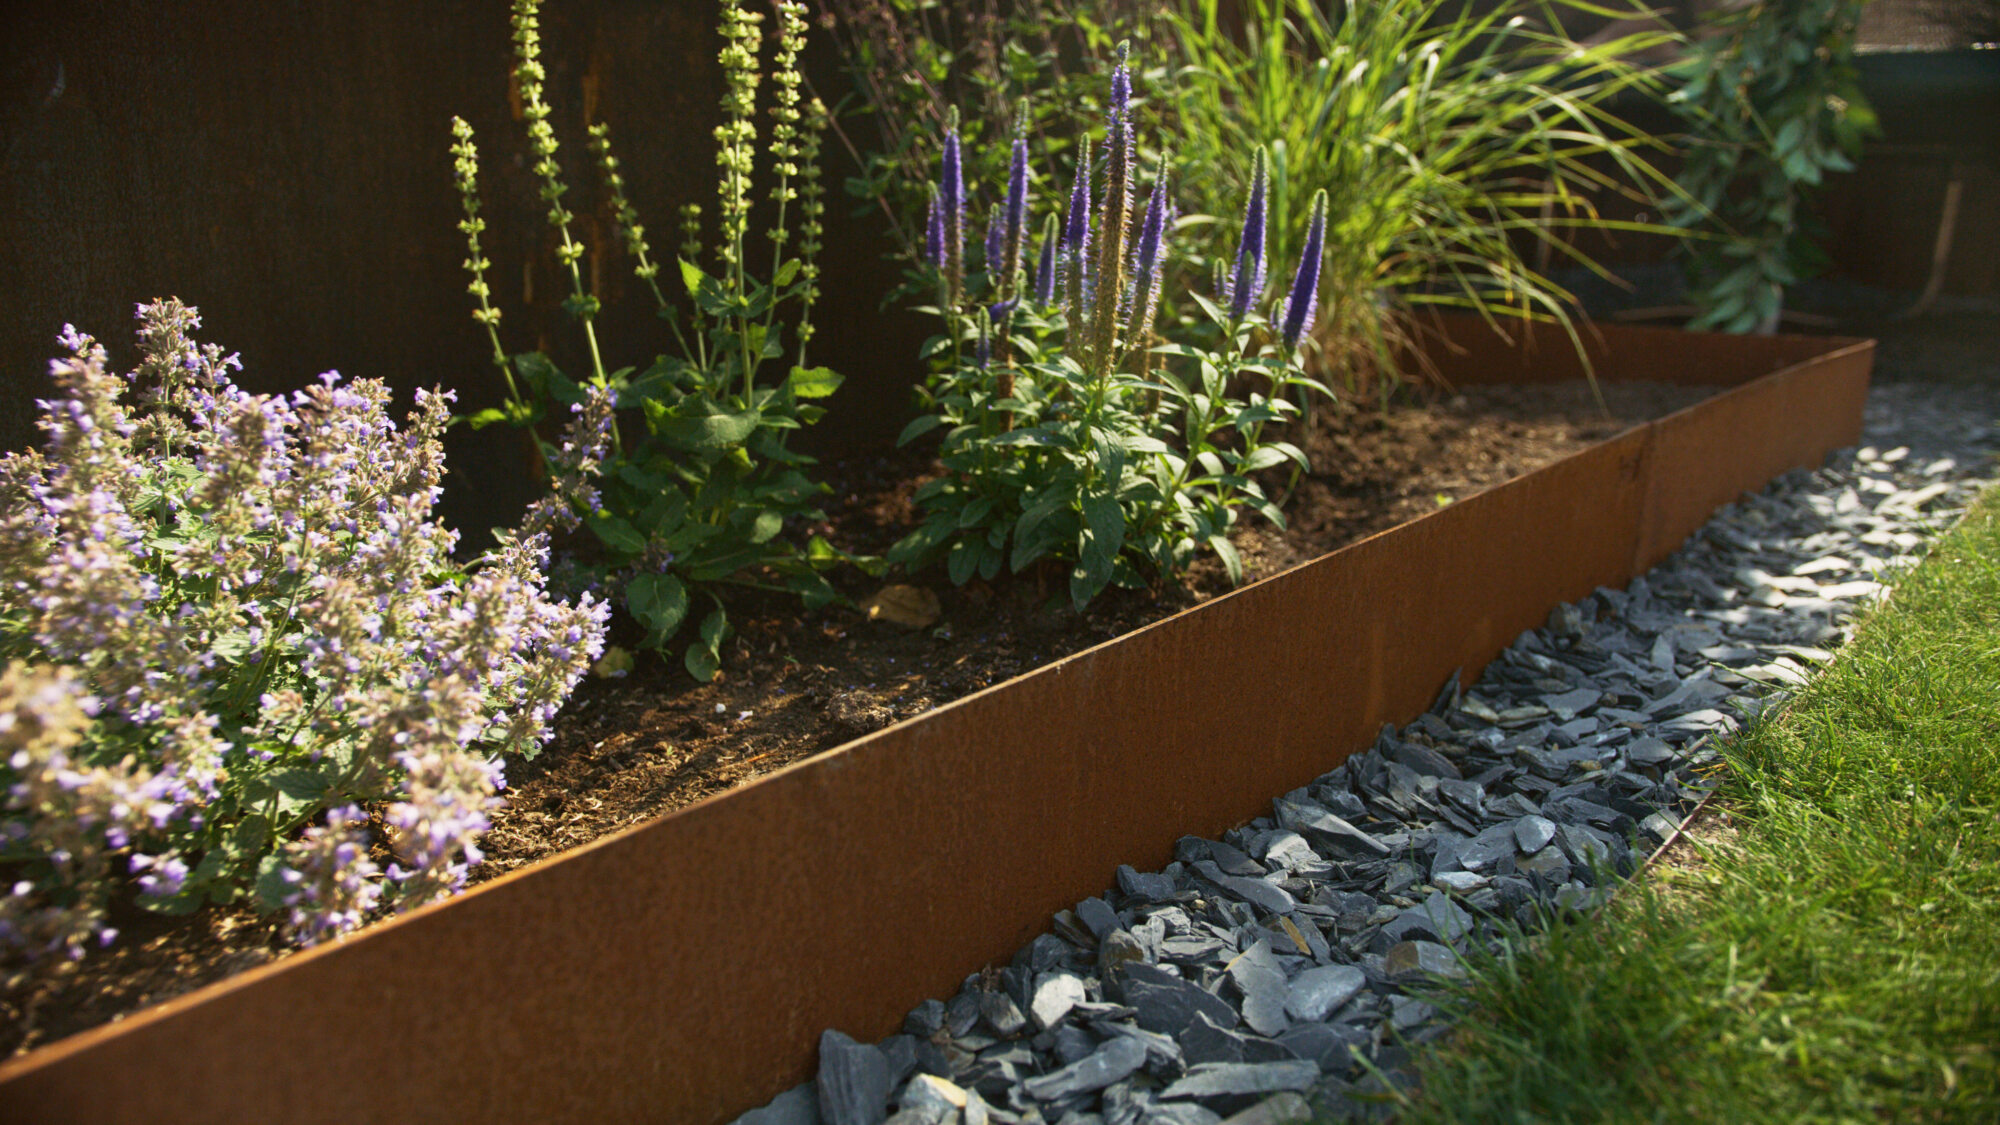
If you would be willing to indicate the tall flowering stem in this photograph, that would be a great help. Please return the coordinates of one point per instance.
(1301, 303)
(951, 209)
(465, 170)
(1114, 229)
(1246, 281)
(529, 76)
(1076, 251)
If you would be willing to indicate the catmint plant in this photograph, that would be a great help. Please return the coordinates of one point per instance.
(240, 662)
(1076, 433)
(701, 485)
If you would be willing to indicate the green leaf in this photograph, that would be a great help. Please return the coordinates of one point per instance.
(767, 524)
(657, 601)
(1262, 457)
(813, 382)
(271, 887)
(786, 273)
(540, 373)
(698, 424)
(616, 533)
(1231, 561)
(918, 427)
(483, 418)
(962, 561)
(701, 662)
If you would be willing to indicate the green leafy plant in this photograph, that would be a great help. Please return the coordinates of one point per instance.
(1773, 103)
(1070, 431)
(701, 495)
(1460, 146)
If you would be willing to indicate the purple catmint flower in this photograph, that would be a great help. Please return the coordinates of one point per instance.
(1299, 306)
(1246, 283)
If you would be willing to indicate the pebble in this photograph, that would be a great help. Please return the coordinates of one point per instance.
(1255, 967)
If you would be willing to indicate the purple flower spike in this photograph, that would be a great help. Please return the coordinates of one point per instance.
(951, 203)
(999, 311)
(1246, 284)
(1076, 220)
(1017, 195)
(1147, 258)
(934, 233)
(996, 248)
(1045, 266)
(1299, 306)
(1121, 87)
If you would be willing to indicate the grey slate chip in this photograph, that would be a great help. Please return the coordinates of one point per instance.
(1140, 885)
(1109, 1063)
(1323, 827)
(1264, 896)
(1055, 994)
(1421, 958)
(1098, 915)
(853, 1081)
(1215, 1080)
(1317, 993)
(1533, 833)
(1167, 1004)
(796, 1106)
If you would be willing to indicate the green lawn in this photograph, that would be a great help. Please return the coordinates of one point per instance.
(1833, 954)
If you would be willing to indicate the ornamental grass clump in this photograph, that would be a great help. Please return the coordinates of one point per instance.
(1071, 430)
(239, 661)
(1461, 147)
(701, 482)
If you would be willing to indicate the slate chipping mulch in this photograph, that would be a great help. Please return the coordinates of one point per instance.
(1288, 958)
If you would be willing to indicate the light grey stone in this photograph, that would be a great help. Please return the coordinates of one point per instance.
(1317, 993)
(1533, 833)
(1055, 995)
(1215, 1080)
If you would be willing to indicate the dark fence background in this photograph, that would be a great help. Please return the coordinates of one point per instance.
(283, 165)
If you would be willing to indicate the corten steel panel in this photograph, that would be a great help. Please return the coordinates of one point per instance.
(682, 970)
(1703, 455)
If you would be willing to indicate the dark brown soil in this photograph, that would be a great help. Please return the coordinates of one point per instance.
(629, 749)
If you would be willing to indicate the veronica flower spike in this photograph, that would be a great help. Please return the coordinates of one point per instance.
(1017, 210)
(1298, 315)
(1045, 264)
(1147, 258)
(951, 208)
(1246, 283)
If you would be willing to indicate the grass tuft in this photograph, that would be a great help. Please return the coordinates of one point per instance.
(1831, 952)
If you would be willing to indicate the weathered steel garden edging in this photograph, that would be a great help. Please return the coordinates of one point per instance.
(682, 970)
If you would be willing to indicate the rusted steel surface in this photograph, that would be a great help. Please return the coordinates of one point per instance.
(681, 971)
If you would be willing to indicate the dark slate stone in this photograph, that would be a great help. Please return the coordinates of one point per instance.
(1002, 1014)
(1421, 958)
(1264, 990)
(1316, 993)
(1232, 860)
(1264, 896)
(1203, 1041)
(1167, 1004)
(1163, 1055)
(1467, 795)
(1179, 1113)
(1143, 886)
(1326, 1044)
(1649, 752)
(1549, 864)
(853, 1081)
(1191, 949)
(1437, 916)
(1098, 915)
(1401, 877)
(1044, 954)
(796, 1106)
(1486, 849)
(1187, 849)
(961, 1014)
(1533, 833)
(1110, 1062)
(1424, 760)
(925, 1019)
(901, 1051)
(1216, 1080)
(1340, 801)
(932, 1059)
(1073, 1043)
(1324, 829)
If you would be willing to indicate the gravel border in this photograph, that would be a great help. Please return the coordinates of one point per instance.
(1282, 962)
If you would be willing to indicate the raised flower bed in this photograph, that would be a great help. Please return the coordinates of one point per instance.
(680, 970)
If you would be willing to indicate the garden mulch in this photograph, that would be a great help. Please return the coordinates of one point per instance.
(632, 748)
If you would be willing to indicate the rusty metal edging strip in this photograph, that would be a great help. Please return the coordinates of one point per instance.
(682, 970)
